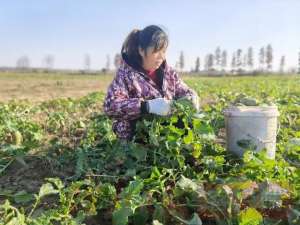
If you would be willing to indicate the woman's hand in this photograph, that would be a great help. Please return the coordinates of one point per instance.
(159, 106)
(195, 101)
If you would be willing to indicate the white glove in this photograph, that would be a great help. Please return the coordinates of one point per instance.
(159, 106)
(195, 100)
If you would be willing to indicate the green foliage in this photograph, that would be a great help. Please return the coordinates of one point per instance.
(175, 171)
(83, 195)
(250, 216)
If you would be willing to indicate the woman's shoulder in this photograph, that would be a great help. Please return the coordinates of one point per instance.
(170, 71)
(124, 71)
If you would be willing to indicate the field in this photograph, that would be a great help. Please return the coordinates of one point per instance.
(60, 163)
(40, 87)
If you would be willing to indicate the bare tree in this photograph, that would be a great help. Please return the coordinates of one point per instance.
(206, 63)
(250, 58)
(239, 59)
(269, 57)
(209, 62)
(181, 61)
(107, 65)
(244, 63)
(262, 59)
(23, 63)
(48, 62)
(218, 58)
(197, 65)
(282, 64)
(87, 63)
(224, 60)
(233, 62)
(117, 60)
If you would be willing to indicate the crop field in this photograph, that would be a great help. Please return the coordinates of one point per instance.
(60, 162)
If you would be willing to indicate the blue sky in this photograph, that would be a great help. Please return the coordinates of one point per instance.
(70, 29)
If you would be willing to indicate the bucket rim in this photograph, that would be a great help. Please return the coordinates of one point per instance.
(255, 111)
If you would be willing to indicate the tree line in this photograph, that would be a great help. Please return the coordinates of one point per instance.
(219, 61)
(238, 62)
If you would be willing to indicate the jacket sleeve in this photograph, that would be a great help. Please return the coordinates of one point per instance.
(181, 89)
(118, 104)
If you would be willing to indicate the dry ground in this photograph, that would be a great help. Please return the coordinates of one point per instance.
(40, 87)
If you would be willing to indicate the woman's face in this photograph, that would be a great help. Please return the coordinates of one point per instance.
(152, 60)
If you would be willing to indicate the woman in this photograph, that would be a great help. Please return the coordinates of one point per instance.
(144, 83)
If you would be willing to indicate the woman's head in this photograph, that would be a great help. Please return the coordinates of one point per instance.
(146, 48)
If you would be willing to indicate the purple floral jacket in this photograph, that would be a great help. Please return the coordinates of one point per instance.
(130, 88)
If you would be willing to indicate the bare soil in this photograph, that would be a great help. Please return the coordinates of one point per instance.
(42, 87)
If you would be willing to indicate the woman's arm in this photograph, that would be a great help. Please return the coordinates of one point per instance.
(118, 104)
(181, 89)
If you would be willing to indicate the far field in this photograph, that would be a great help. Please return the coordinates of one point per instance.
(40, 87)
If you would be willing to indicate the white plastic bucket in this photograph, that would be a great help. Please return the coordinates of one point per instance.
(257, 124)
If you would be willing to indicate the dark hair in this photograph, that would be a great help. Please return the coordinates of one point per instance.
(150, 36)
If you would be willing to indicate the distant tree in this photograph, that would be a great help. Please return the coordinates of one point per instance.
(87, 62)
(218, 58)
(233, 62)
(209, 62)
(244, 63)
(117, 60)
(107, 67)
(250, 58)
(48, 62)
(197, 65)
(205, 63)
(282, 64)
(262, 59)
(239, 59)
(269, 57)
(181, 61)
(23, 62)
(224, 59)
